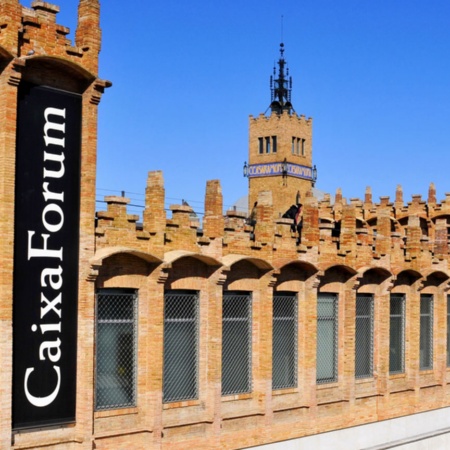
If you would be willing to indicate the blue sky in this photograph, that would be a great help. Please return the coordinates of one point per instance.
(374, 75)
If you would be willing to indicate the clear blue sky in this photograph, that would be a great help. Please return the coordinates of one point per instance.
(374, 75)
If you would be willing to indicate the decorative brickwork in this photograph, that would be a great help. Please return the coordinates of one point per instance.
(35, 48)
(343, 249)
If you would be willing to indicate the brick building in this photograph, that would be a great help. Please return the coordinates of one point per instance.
(228, 335)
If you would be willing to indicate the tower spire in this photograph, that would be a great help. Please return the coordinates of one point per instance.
(281, 87)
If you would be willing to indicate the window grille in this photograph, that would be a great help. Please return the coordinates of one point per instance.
(426, 332)
(181, 317)
(236, 343)
(364, 336)
(327, 338)
(284, 341)
(448, 330)
(116, 349)
(397, 334)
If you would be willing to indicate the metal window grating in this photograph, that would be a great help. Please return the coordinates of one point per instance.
(181, 318)
(364, 336)
(426, 332)
(397, 334)
(116, 349)
(284, 341)
(327, 338)
(236, 343)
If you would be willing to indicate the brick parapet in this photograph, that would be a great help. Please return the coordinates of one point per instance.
(357, 233)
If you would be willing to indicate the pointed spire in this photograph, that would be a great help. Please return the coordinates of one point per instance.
(281, 87)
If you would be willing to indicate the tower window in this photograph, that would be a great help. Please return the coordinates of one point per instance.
(261, 145)
(267, 144)
(298, 146)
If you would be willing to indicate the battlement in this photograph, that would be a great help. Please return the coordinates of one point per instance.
(358, 233)
(294, 117)
(34, 33)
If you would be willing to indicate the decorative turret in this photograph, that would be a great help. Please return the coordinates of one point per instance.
(281, 87)
(280, 148)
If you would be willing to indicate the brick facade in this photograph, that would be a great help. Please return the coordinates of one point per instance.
(346, 248)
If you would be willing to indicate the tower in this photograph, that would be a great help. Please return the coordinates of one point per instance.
(280, 147)
(49, 96)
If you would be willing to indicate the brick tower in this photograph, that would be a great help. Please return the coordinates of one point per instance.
(49, 96)
(280, 147)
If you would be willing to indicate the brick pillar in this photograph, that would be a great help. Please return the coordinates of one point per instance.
(88, 34)
(432, 195)
(213, 221)
(10, 18)
(398, 198)
(8, 108)
(383, 239)
(265, 226)
(310, 231)
(413, 237)
(154, 213)
(440, 239)
(348, 229)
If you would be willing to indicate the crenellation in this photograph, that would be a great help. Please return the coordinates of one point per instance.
(335, 231)
(339, 249)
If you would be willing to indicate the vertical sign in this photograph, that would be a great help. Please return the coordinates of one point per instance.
(46, 242)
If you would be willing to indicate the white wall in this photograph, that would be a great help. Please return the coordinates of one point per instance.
(424, 431)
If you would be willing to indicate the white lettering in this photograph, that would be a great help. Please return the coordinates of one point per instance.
(51, 273)
(61, 127)
(40, 402)
(53, 228)
(49, 345)
(53, 173)
(42, 252)
(51, 195)
(51, 305)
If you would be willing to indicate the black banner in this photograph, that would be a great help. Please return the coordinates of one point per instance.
(47, 211)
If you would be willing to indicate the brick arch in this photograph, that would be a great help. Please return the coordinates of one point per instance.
(293, 276)
(58, 72)
(104, 253)
(171, 257)
(124, 270)
(261, 264)
(188, 270)
(245, 272)
(335, 277)
(406, 278)
(435, 279)
(373, 279)
(5, 54)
